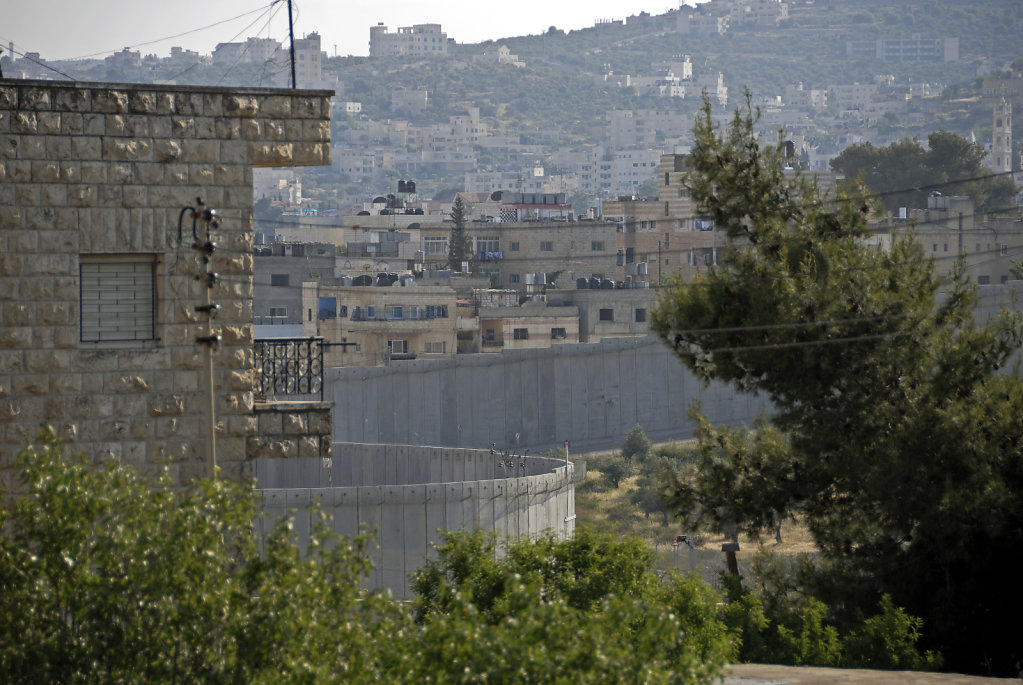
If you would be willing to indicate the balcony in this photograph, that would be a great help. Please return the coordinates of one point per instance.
(289, 369)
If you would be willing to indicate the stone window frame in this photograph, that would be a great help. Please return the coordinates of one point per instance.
(117, 299)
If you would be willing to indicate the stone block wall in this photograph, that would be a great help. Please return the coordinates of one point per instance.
(291, 430)
(102, 171)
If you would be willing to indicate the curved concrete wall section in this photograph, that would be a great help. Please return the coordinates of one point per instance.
(590, 394)
(405, 495)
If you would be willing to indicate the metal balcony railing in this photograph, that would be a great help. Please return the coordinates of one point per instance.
(289, 368)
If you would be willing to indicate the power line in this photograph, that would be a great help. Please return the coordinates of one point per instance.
(43, 64)
(272, 13)
(179, 35)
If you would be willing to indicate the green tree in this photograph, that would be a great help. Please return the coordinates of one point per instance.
(898, 436)
(460, 242)
(614, 469)
(636, 444)
(905, 173)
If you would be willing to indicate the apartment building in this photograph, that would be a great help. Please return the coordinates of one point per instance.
(279, 270)
(420, 39)
(381, 324)
(915, 48)
(949, 227)
(533, 325)
(658, 238)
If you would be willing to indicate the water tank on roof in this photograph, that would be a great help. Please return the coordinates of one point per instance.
(582, 283)
(607, 284)
(594, 283)
(641, 268)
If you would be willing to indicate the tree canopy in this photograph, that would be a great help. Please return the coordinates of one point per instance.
(904, 173)
(895, 431)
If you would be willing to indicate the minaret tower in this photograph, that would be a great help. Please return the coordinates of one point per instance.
(1001, 139)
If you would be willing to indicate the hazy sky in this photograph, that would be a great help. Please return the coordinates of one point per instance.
(66, 29)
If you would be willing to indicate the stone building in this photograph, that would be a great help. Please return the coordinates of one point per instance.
(100, 278)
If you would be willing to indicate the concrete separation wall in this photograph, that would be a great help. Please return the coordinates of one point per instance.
(405, 495)
(590, 394)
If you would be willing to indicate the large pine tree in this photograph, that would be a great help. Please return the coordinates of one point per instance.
(896, 433)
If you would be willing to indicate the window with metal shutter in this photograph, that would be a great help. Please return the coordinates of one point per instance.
(117, 299)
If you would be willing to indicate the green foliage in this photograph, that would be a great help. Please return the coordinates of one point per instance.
(588, 609)
(743, 479)
(888, 640)
(949, 161)
(614, 469)
(1016, 271)
(108, 579)
(653, 486)
(460, 242)
(637, 444)
(779, 623)
(895, 433)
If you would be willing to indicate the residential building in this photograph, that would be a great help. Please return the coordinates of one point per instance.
(806, 99)
(949, 228)
(914, 49)
(693, 24)
(380, 324)
(532, 325)
(500, 54)
(608, 313)
(408, 101)
(421, 39)
(105, 274)
(252, 51)
(658, 238)
(279, 270)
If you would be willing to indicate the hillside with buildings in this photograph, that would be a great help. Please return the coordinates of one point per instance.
(587, 112)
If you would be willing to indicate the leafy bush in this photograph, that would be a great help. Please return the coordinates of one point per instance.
(109, 579)
(779, 623)
(589, 609)
(614, 469)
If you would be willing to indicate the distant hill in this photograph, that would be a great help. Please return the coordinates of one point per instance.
(561, 88)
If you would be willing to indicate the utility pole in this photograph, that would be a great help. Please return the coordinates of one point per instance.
(658, 262)
(291, 34)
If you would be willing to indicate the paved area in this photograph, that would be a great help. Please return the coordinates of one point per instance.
(768, 674)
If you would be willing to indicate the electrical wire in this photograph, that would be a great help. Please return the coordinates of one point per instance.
(43, 64)
(272, 13)
(178, 35)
